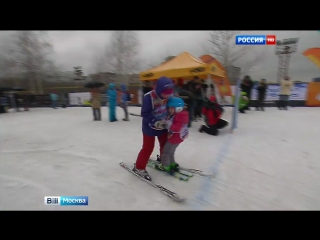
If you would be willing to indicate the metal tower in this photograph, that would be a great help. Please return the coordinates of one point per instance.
(284, 49)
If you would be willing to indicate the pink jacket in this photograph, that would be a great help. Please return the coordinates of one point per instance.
(178, 127)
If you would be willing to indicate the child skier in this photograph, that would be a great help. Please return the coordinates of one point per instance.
(154, 113)
(243, 101)
(177, 124)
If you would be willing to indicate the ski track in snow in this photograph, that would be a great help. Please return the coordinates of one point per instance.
(271, 162)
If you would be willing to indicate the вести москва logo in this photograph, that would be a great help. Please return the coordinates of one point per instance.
(66, 200)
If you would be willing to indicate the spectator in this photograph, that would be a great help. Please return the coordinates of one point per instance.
(246, 86)
(262, 88)
(285, 91)
(96, 104)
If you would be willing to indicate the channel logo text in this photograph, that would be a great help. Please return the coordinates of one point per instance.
(66, 200)
(256, 40)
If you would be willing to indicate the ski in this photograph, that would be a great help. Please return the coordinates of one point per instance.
(193, 171)
(174, 196)
(152, 163)
(197, 171)
(134, 114)
(177, 175)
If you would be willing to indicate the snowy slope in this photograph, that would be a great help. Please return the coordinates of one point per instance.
(272, 161)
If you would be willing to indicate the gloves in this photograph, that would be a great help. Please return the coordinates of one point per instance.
(162, 124)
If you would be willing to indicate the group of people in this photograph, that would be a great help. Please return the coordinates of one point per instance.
(247, 84)
(168, 110)
(194, 94)
(112, 95)
(166, 114)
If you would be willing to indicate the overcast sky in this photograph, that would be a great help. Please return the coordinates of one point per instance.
(79, 48)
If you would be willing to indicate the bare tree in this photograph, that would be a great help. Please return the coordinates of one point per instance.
(122, 54)
(222, 47)
(99, 64)
(29, 54)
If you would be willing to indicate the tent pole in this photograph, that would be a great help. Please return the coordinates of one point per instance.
(235, 106)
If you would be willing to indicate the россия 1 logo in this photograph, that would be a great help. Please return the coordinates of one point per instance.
(256, 40)
(66, 200)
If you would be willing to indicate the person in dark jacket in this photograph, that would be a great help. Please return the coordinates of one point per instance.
(188, 99)
(146, 88)
(154, 112)
(212, 112)
(246, 86)
(196, 88)
(124, 99)
(262, 88)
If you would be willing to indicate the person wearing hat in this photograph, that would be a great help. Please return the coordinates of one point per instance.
(177, 122)
(112, 98)
(154, 113)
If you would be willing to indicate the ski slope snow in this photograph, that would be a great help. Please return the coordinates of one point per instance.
(271, 162)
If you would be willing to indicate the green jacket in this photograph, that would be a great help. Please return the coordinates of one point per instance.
(242, 102)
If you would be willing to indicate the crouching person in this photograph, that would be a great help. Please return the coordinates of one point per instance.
(212, 112)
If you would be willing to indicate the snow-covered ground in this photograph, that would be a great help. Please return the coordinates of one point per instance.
(272, 161)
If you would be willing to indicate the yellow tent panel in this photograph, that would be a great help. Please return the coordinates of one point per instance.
(214, 70)
(182, 66)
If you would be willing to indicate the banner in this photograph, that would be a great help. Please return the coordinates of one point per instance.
(298, 92)
(313, 98)
(79, 99)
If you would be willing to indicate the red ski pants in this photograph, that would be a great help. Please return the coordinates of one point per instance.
(147, 149)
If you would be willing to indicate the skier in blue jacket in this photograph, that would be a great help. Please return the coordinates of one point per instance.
(154, 112)
(112, 97)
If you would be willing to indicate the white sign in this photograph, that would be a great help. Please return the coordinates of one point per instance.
(298, 92)
(79, 99)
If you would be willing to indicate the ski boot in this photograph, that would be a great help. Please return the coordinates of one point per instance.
(174, 167)
(160, 167)
(142, 173)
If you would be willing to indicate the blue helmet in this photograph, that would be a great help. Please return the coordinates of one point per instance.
(176, 103)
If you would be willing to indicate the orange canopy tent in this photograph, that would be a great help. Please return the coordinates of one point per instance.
(313, 54)
(222, 84)
(182, 66)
